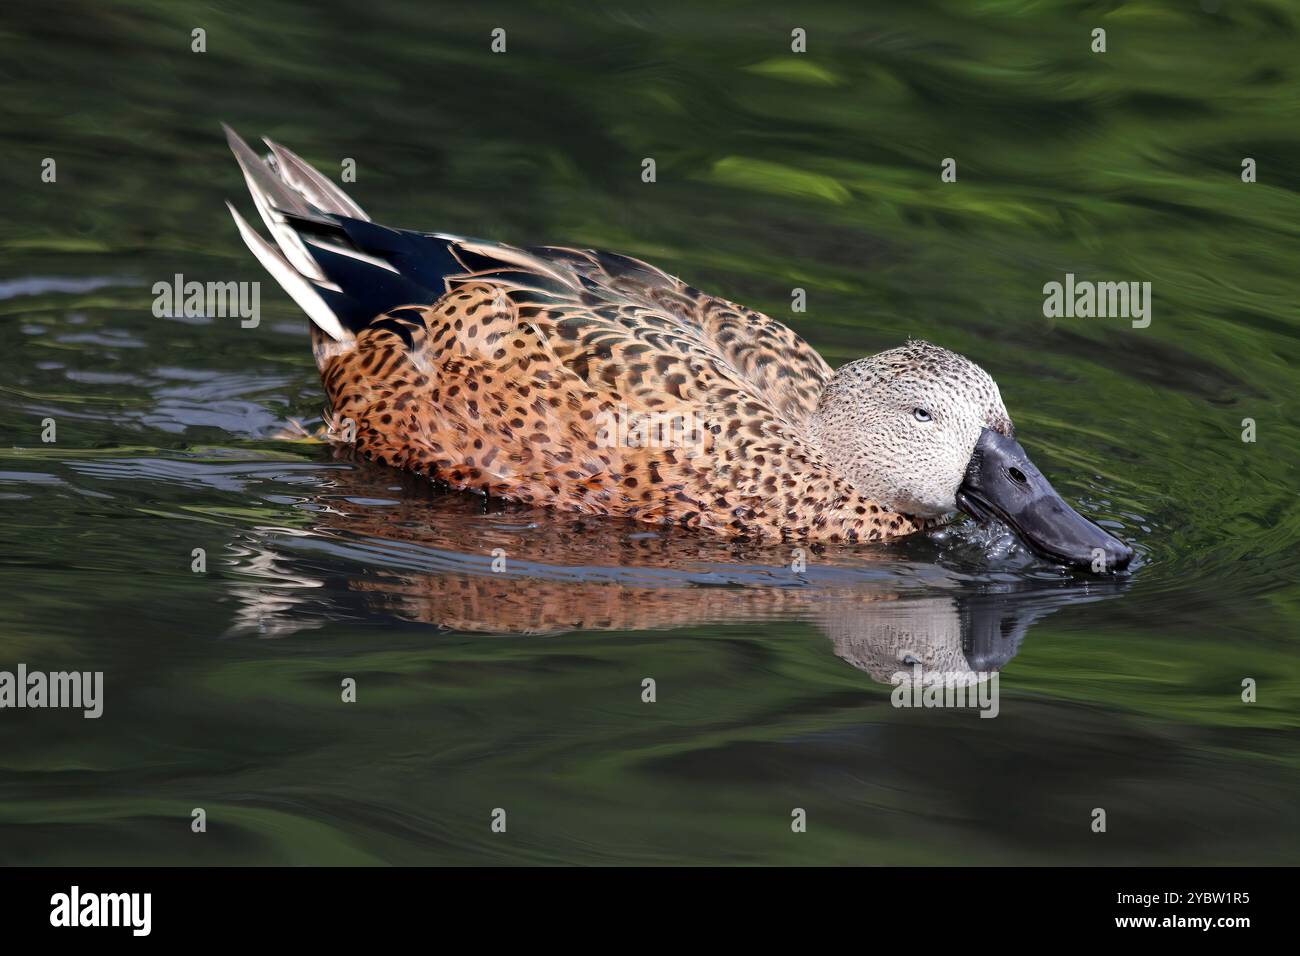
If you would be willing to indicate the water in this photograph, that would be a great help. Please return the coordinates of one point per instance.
(522, 690)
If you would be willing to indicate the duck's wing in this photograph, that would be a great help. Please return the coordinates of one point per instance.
(630, 296)
(624, 324)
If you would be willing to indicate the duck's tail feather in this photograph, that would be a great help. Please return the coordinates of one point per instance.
(338, 266)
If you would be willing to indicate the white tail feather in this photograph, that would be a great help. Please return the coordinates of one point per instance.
(283, 234)
(297, 174)
(285, 183)
(293, 282)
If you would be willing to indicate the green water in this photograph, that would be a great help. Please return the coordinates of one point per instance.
(523, 690)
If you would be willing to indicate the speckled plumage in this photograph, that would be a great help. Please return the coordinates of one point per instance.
(498, 370)
(498, 389)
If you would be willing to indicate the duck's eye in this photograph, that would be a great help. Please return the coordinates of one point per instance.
(920, 414)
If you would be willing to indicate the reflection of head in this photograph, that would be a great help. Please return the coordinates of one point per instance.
(885, 637)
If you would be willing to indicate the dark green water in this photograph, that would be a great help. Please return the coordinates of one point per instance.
(522, 690)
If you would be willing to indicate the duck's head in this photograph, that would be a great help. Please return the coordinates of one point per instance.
(923, 431)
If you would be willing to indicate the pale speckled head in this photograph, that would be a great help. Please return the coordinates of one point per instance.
(902, 425)
(923, 432)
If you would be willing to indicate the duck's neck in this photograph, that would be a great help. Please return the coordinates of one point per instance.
(831, 429)
(839, 448)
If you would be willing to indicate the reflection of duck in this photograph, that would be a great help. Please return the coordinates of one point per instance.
(551, 375)
(433, 559)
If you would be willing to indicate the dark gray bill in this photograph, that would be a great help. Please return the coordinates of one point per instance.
(1001, 482)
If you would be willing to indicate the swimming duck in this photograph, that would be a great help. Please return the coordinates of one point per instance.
(597, 383)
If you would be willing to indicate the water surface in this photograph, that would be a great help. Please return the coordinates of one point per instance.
(522, 689)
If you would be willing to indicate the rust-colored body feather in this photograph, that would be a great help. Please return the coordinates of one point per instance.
(569, 398)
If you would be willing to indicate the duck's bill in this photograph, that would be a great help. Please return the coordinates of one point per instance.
(1001, 482)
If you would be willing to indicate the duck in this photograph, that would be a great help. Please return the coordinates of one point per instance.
(598, 384)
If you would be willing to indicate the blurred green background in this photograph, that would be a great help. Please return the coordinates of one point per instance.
(775, 170)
